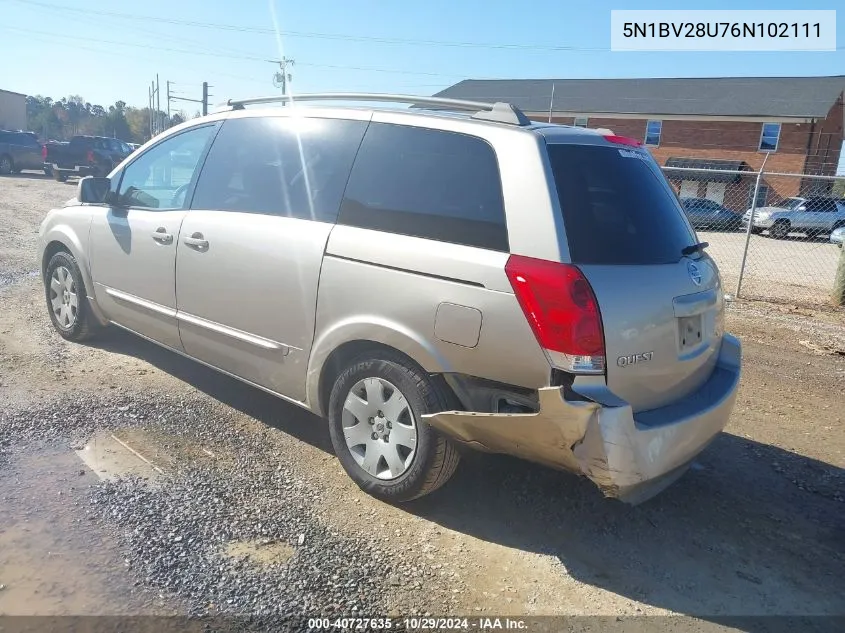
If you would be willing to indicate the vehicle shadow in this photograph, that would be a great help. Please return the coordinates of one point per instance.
(262, 406)
(750, 530)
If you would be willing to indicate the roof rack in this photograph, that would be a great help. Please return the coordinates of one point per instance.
(499, 112)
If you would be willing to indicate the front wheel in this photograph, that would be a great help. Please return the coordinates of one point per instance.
(67, 302)
(780, 229)
(59, 176)
(379, 436)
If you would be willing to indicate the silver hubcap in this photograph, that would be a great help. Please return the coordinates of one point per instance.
(379, 428)
(63, 297)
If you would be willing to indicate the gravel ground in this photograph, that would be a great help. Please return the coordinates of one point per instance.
(254, 516)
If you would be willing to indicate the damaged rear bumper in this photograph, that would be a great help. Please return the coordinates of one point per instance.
(630, 456)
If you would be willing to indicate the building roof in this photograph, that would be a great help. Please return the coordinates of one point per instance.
(799, 97)
(12, 92)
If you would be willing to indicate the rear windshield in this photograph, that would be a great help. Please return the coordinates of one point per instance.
(616, 206)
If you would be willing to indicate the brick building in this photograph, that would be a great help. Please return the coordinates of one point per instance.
(700, 123)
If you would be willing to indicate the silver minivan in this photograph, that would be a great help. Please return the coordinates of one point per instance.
(428, 280)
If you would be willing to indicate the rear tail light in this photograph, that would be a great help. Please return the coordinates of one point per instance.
(90, 156)
(44, 152)
(622, 140)
(562, 310)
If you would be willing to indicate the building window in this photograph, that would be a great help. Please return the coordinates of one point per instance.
(769, 137)
(581, 121)
(762, 196)
(652, 132)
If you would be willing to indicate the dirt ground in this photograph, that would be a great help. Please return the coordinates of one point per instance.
(757, 527)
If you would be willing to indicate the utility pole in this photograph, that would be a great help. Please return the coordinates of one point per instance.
(152, 109)
(158, 105)
(203, 101)
(281, 78)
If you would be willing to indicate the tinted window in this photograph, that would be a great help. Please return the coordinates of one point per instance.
(427, 183)
(289, 166)
(821, 205)
(617, 207)
(155, 180)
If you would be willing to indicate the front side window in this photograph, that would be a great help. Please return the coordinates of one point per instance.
(427, 183)
(653, 129)
(770, 137)
(288, 166)
(155, 180)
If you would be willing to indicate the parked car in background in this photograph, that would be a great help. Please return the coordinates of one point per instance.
(18, 151)
(424, 280)
(708, 214)
(838, 236)
(813, 216)
(84, 156)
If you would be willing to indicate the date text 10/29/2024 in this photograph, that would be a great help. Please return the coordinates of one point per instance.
(417, 624)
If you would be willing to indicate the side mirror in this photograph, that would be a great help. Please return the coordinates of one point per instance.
(93, 190)
(803, 207)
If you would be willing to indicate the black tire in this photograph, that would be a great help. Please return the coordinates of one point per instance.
(7, 165)
(58, 176)
(436, 457)
(48, 171)
(84, 326)
(780, 229)
(756, 231)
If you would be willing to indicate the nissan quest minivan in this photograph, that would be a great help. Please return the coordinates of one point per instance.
(428, 280)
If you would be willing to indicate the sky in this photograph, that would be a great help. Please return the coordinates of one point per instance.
(112, 51)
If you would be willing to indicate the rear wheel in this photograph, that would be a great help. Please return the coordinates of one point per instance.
(7, 166)
(59, 176)
(379, 436)
(67, 302)
(780, 229)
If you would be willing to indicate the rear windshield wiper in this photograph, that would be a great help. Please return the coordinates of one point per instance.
(693, 248)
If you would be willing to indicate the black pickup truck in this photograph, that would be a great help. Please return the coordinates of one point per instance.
(84, 156)
(19, 150)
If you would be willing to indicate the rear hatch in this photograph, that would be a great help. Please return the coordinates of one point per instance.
(660, 298)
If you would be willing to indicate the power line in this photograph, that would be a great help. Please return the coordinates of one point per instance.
(245, 57)
(308, 34)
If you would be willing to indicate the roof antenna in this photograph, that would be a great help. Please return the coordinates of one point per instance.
(551, 102)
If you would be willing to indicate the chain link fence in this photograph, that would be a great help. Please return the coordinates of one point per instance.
(775, 236)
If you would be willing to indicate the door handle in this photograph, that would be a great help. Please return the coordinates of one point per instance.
(197, 241)
(162, 236)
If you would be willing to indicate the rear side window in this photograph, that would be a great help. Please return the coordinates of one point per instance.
(288, 166)
(821, 205)
(427, 183)
(617, 208)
